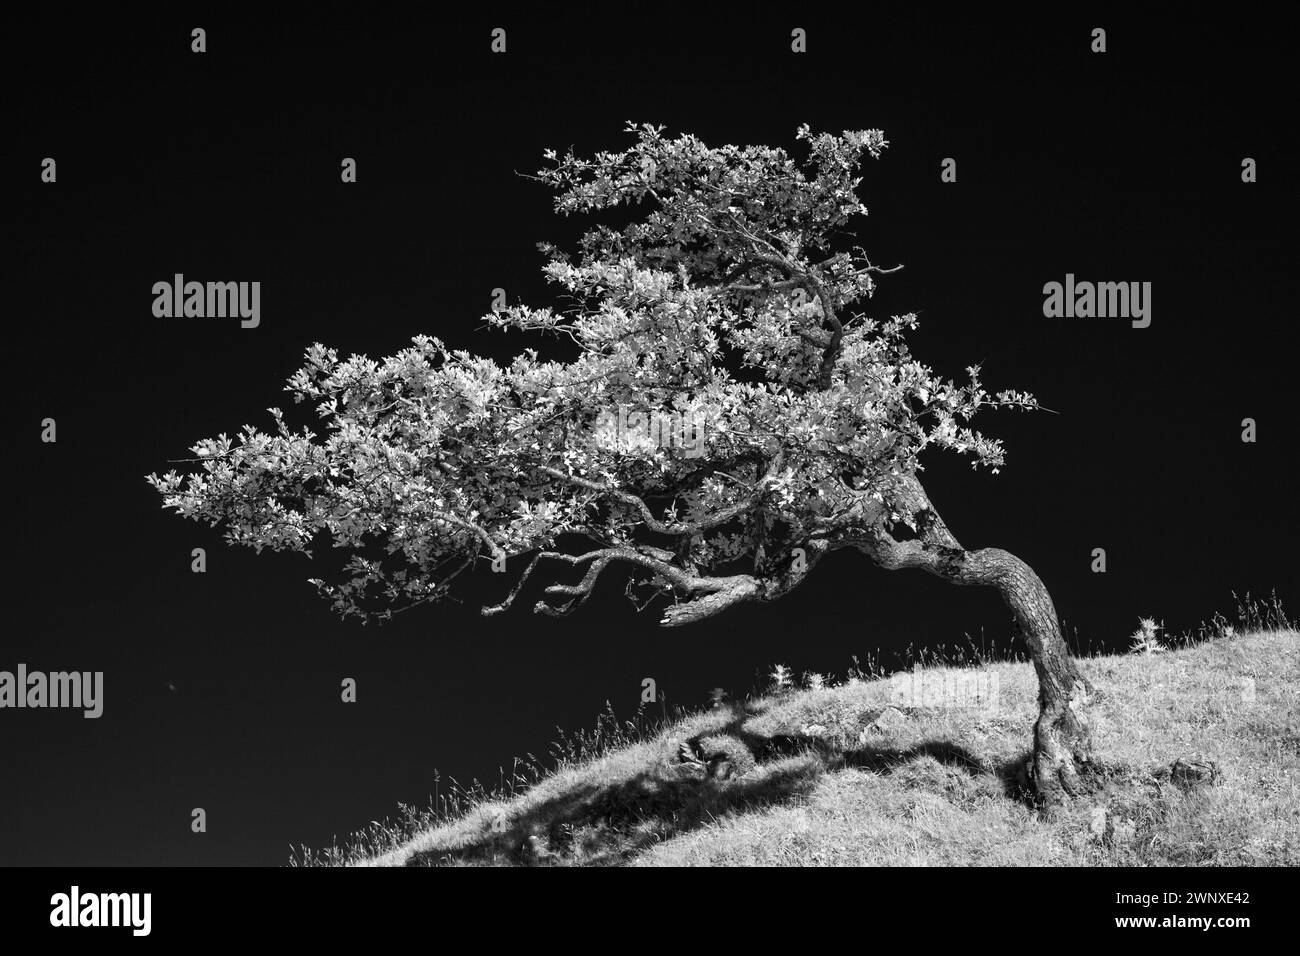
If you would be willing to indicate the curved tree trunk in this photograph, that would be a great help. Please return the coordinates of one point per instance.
(1062, 746)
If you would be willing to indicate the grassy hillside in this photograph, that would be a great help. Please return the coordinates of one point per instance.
(856, 774)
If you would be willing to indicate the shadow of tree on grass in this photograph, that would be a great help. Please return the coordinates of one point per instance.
(596, 822)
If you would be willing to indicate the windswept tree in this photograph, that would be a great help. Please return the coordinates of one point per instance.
(716, 417)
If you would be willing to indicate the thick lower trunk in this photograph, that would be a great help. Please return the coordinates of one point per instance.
(1062, 746)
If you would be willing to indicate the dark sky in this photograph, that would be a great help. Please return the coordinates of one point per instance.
(225, 166)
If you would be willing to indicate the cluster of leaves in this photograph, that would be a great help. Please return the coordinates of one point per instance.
(729, 299)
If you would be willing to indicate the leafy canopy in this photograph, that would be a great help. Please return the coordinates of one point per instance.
(731, 300)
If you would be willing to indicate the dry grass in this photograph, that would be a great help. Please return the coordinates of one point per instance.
(820, 777)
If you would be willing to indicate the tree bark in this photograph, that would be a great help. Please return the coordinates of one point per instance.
(1062, 746)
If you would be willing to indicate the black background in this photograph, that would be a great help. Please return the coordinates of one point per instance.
(1123, 166)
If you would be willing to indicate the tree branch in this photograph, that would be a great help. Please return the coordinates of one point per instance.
(676, 528)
